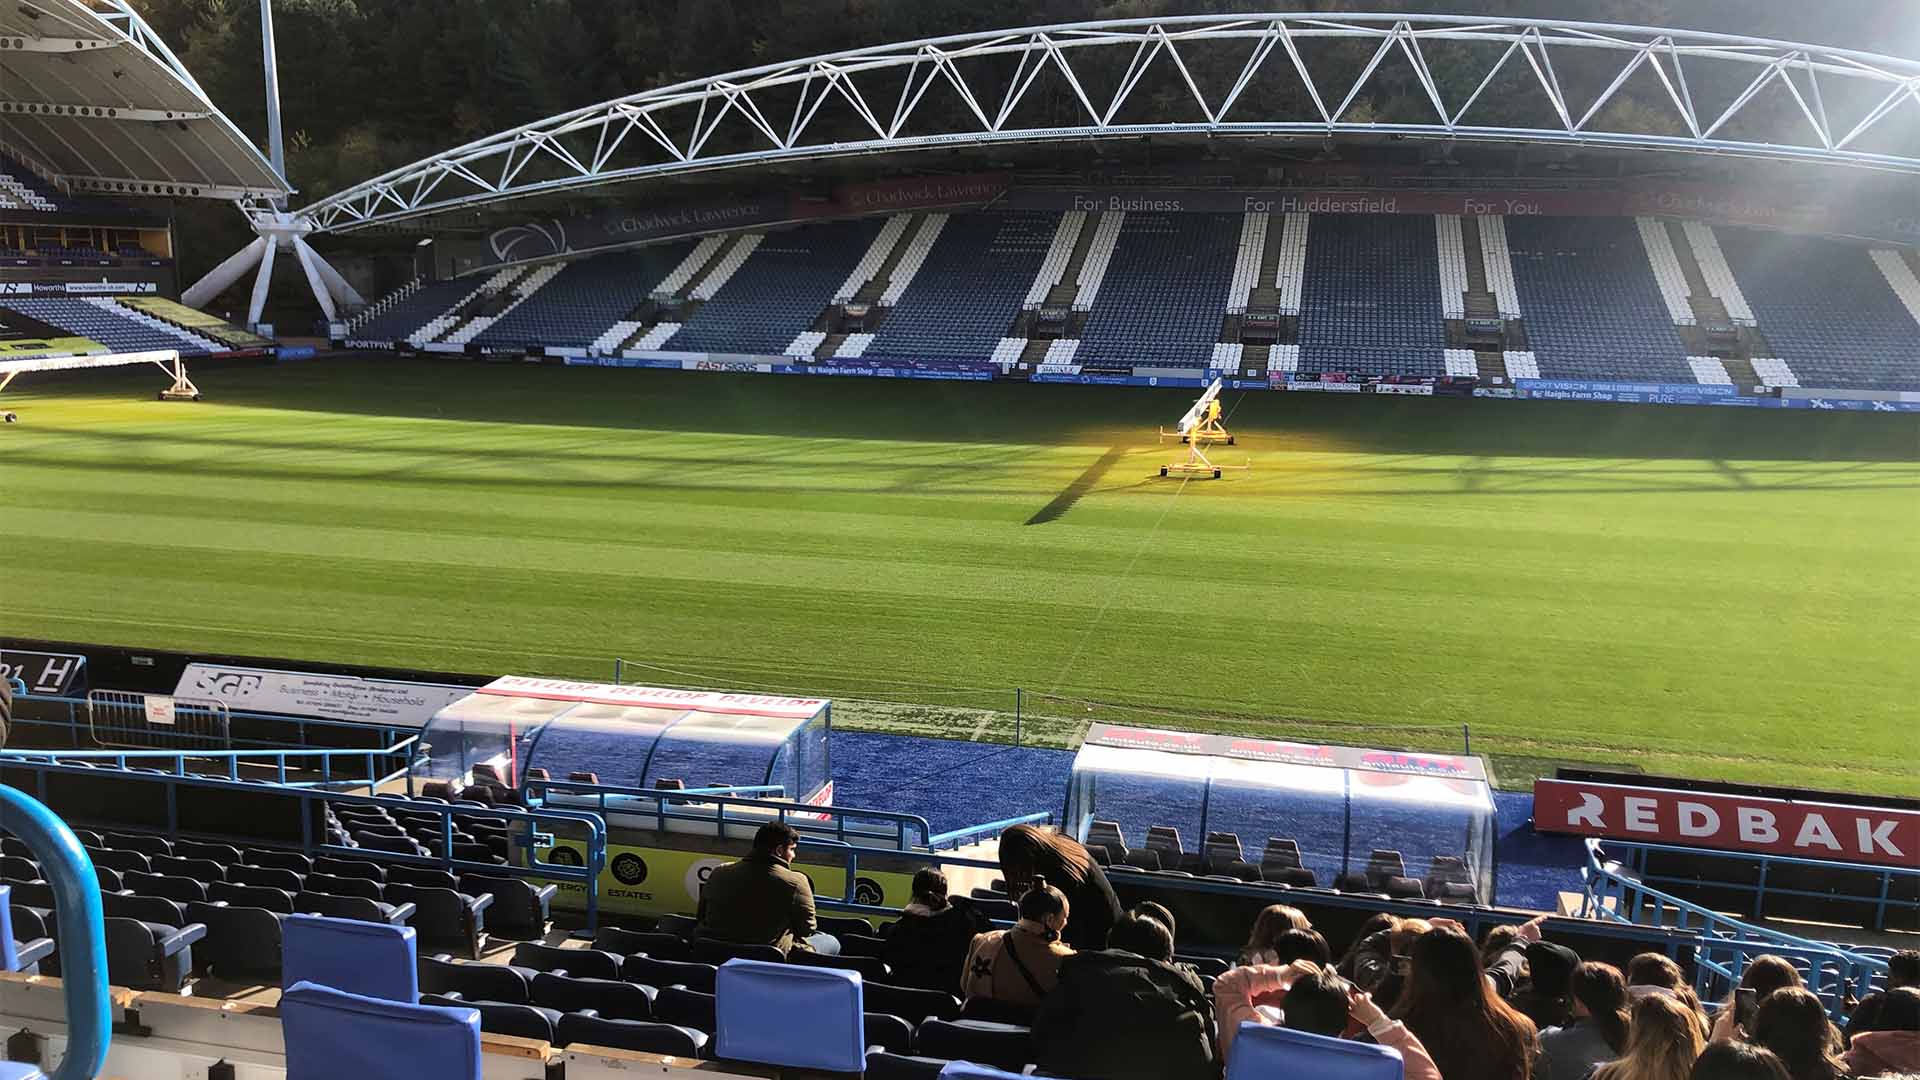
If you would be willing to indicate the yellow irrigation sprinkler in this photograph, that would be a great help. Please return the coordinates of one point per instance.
(1199, 427)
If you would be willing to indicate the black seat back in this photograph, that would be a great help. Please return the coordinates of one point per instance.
(611, 998)
(224, 854)
(120, 860)
(198, 869)
(423, 876)
(335, 885)
(520, 1021)
(716, 952)
(913, 1003)
(283, 860)
(688, 1008)
(664, 973)
(475, 982)
(581, 963)
(1004, 1046)
(173, 888)
(341, 907)
(151, 909)
(641, 1035)
(242, 943)
(140, 842)
(278, 901)
(350, 868)
(653, 943)
(272, 877)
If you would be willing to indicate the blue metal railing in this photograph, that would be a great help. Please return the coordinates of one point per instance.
(151, 760)
(75, 709)
(1883, 901)
(675, 805)
(959, 837)
(83, 944)
(590, 829)
(1727, 945)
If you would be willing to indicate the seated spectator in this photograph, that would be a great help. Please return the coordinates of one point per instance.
(1662, 1043)
(1509, 969)
(1902, 970)
(1793, 1024)
(1450, 1005)
(1658, 973)
(1893, 1045)
(1157, 911)
(1274, 920)
(1597, 1029)
(1497, 940)
(1127, 1013)
(1370, 957)
(1027, 851)
(1020, 966)
(1310, 997)
(1762, 977)
(1738, 1061)
(762, 900)
(927, 946)
(1544, 996)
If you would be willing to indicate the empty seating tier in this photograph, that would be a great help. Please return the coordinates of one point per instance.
(968, 289)
(1163, 294)
(1371, 301)
(779, 291)
(1827, 310)
(585, 298)
(1594, 309)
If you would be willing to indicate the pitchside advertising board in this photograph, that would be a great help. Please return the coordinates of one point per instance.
(666, 881)
(1855, 834)
(321, 697)
(44, 673)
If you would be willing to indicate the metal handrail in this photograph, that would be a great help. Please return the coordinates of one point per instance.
(1719, 933)
(1885, 874)
(233, 758)
(524, 821)
(957, 837)
(539, 789)
(300, 723)
(82, 925)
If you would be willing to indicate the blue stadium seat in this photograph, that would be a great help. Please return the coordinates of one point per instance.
(800, 1017)
(1826, 309)
(1370, 302)
(331, 1034)
(585, 299)
(1592, 304)
(967, 291)
(1165, 291)
(1260, 1051)
(358, 957)
(779, 291)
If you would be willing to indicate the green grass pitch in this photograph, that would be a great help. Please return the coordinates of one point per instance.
(1708, 592)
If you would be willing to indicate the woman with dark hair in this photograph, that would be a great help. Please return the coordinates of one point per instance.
(1893, 1046)
(1663, 1041)
(1598, 1030)
(1027, 852)
(1022, 965)
(1738, 1061)
(927, 946)
(1762, 977)
(1274, 920)
(1370, 955)
(1793, 1024)
(1450, 1006)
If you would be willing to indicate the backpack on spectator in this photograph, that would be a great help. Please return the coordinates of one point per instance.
(1123, 1017)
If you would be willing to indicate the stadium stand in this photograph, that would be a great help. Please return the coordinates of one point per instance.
(1828, 310)
(1594, 308)
(774, 290)
(967, 289)
(584, 298)
(1161, 297)
(120, 328)
(1371, 299)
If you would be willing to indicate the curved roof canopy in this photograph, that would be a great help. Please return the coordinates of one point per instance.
(1283, 75)
(93, 101)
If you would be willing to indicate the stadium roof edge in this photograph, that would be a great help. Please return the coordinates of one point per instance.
(99, 104)
(632, 137)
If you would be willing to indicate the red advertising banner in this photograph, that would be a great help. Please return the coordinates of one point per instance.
(1857, 834)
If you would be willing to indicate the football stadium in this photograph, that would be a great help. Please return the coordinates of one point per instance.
(1343, 544)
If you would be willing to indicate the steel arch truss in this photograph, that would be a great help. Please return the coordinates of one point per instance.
(1295, 76)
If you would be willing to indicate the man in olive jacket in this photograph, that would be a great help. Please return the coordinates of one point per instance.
(762, 900)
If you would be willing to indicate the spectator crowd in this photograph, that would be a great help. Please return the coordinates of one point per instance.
(1105, 995)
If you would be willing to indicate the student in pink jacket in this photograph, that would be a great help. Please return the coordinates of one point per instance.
(1315, 1000)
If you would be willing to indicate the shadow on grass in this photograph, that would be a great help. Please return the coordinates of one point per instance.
(1081, 484)
(1028, 414)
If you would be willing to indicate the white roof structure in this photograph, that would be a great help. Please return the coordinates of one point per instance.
(93, 101)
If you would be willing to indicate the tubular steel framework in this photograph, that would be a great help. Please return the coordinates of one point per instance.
(1277, 76)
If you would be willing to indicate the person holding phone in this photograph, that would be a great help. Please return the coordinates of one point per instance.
(1305, 996)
